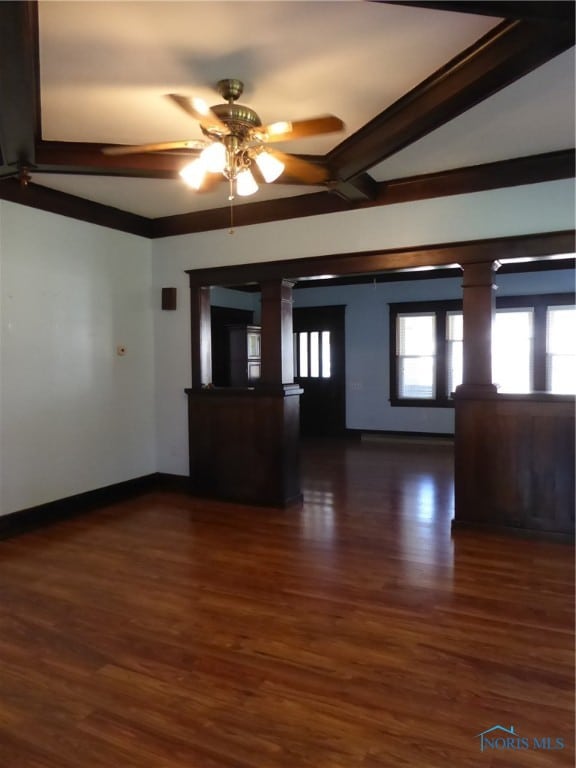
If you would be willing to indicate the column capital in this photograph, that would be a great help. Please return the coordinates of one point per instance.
(478, 273)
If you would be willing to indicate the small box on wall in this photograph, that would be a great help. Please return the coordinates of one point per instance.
(168, 298)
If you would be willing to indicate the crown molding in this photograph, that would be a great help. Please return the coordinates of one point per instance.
(533, 169)
(53, 201)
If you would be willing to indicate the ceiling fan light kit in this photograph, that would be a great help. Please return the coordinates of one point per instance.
(236, 139)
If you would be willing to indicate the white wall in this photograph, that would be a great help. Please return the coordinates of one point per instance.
(520, 210)
(74, 416)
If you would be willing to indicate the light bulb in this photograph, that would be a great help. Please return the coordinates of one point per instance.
(277, 129)
(214, 157)
(246, 183)
(200, 106)
(270, 166)
(193, 173)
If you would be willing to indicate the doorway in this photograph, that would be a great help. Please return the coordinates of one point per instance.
(221, 318)
(319, 368)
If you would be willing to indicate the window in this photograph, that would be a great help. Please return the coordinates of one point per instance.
(561, 349)
(416, 343)
(454, 349)
(312, 354)
(533, 348)
(512, 350)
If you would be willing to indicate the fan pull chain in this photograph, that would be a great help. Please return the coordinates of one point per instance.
(231, 198)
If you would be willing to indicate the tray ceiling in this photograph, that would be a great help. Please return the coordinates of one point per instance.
(103, 69)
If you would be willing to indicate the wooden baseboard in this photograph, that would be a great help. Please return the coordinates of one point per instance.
(513, 531)
(46, 514)
(415, 438)
(168, 482)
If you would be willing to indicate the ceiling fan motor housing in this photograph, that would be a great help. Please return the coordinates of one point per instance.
(239, 118)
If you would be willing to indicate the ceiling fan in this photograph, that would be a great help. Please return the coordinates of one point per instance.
(236, 144)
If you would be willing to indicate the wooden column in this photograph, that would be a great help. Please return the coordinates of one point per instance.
(201, 336)
(244, 442)
(277, 343)
(478, 301)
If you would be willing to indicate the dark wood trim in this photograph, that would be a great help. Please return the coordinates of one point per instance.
(461, 527)
(543, 265)
(87, 159)
(314, 204)
(47, 514)
(534, 169)
(499, 58)
(166, 481)
(18, 87)
(360, 189)
(502, 248)
(549, 10)
(73, 207)
(526, 170)
(441, 438)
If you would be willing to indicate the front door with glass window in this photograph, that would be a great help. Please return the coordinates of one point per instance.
(319, 369)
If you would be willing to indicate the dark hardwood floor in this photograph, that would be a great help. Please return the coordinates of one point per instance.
(353, 632)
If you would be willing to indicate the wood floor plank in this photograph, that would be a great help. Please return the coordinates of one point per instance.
(355, 631)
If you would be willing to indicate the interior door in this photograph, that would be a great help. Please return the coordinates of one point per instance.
(319, 368)
(221, 318)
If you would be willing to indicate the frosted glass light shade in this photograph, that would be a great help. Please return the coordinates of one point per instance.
(270, 166)
(214, 157)
(193, 173)
(246, 184)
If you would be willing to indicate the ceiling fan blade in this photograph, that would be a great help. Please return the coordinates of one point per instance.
(300, 129)
(303, 170)
(165, 146)
(199, 110)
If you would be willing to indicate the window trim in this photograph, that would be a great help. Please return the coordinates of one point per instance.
(539, 304)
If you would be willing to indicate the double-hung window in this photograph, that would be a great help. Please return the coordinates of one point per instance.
(416, 355)
(533, 348)
(561, 349)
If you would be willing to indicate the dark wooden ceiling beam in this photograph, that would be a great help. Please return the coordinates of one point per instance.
(562, 11)
(438, 255)
(88, 159)
(360, 189)
(506, 53)
(18, 88)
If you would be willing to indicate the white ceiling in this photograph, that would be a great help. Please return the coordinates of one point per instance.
(105, 68)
